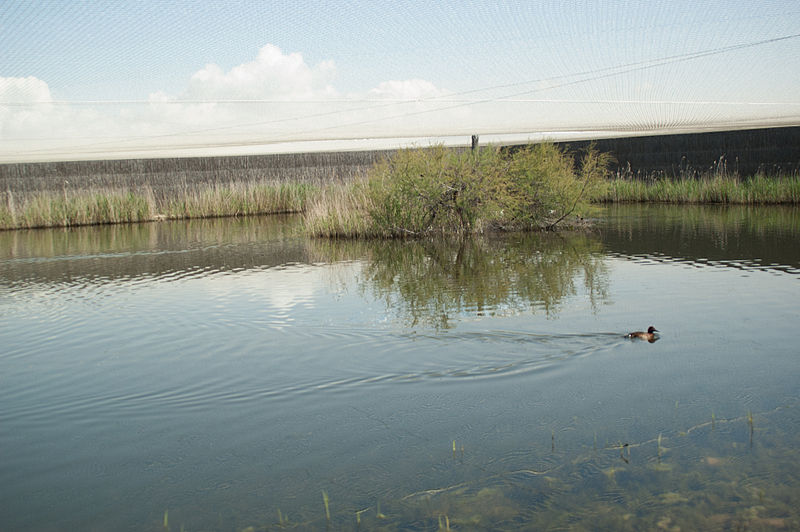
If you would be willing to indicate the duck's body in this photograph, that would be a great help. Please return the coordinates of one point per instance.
(650, 335)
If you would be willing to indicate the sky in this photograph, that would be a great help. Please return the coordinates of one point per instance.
(145, 78)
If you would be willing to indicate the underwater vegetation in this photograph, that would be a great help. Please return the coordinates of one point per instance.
(714, 475)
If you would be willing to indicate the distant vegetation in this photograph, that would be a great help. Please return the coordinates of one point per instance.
(440, 190)
(713, 188)
(72, 193)
(407, 193)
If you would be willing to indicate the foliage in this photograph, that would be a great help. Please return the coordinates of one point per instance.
(443, 190)
(545, 187)
(419, 191)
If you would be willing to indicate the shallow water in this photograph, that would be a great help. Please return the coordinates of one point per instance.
(224, 374)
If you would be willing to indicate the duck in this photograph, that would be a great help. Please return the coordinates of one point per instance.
(650, 335)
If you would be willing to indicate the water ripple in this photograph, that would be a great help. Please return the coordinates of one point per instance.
(747, 265)
(361, 359)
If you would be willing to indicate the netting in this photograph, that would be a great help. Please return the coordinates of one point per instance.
(116, 80)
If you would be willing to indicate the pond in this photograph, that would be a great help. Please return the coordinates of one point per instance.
(234, 375)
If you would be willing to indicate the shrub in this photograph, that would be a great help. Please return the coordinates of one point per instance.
(442, 190)
(545, 189)
(435, 190)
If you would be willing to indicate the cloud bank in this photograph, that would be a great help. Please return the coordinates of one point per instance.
(279, 102)
(277, 97)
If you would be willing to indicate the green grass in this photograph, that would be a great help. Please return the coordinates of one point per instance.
(91, 207)
(714, 189)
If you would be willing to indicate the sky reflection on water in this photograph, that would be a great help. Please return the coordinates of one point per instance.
(223, 370)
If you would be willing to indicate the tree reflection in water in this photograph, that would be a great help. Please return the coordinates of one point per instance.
(430, 282)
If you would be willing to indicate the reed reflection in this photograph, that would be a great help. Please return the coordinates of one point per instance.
(732, 236)
(128, 252)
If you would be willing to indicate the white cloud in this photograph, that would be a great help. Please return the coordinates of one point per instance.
(272, 75)
(300, 104)
(27, 100)
(27, 111)
(410, 89)
(24, 90)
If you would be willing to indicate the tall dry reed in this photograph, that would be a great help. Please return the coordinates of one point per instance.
(69, 207)
(341, 211)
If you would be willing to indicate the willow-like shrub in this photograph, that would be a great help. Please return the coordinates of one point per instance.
(419, 192)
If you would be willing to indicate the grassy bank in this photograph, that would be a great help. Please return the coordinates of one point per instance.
(713, 189)
(104, 206)
(409, 193)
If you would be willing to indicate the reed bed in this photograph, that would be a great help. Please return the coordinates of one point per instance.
(357, 194)
(238, 199)
(756, 190)
(94, 206)
(56, 194)
(50, 209)
(341, 211)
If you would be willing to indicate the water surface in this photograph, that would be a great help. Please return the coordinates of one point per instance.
(224, 374)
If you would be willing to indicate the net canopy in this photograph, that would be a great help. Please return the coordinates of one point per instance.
(121, 79)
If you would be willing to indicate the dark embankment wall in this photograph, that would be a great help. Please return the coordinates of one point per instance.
(164, 175)
(771, 151)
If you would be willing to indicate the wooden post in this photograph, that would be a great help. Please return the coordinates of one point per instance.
(474, 142)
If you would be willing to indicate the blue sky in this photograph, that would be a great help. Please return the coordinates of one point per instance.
(121, 78)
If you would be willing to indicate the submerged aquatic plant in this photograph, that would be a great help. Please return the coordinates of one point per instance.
(327, 507)
(697, 490)
(658, 448)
